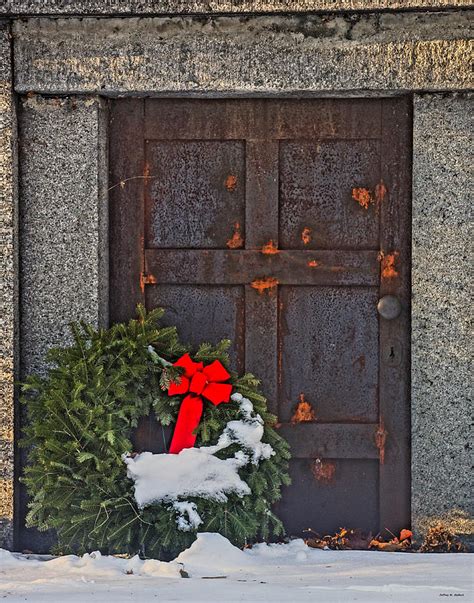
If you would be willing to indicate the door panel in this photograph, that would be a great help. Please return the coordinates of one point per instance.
(196, 188)
(330, 352)
(333, 493)
(316, 183)
(220, 306)
(280, 224)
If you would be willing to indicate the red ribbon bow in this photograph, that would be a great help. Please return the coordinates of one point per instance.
(198, 381)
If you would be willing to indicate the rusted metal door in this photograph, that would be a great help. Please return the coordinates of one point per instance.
(281, 224)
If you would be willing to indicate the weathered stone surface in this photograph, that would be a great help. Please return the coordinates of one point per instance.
(63, 230)
(242, 55)
(442, 325)
(156, 7)
(8, 285)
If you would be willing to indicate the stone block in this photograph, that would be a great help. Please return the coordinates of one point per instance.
(8, 285)
(441, 316)
(306, 54)
(63, 230)
(157, 7)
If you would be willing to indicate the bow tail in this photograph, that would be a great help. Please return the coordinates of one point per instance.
(189, 416)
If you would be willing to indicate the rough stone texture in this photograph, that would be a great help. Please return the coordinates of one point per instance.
(8, 286)
(63, 240)
(242, 55)
(155, 7)
(441, 327)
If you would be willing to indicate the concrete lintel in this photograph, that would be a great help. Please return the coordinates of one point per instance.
(244, 55)
(164, 7)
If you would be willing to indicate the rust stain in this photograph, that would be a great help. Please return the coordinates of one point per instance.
(360, 361)
(362, 196)
(380, 191)
(146, 173)
(388, 262)
(231, 183)
(380, 440)
(306, 235)
(236, 241)
(337, 268)
(146, 279)
(303, 412)
(313, 264)
(324, 471)
(262, 284)
(280, 344)
(270, 248)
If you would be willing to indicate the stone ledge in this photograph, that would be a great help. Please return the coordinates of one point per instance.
(163, 7)
(237, 55)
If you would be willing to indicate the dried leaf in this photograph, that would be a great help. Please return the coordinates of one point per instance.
(388, 547)
(440, 539)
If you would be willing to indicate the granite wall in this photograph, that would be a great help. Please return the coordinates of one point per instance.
(8, 284)
(442, 324)
(63, 247)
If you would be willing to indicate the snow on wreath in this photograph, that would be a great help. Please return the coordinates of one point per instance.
(222, 470)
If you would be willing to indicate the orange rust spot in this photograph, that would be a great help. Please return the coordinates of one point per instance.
(323, 471)
(270, 248)
(231, 183)
(380, 440)
(306, 235)
(262, 284)
(380, 191)
(388, 264)
(362, 196)
(303, 412)
(146, 279)
(146, 172)
(236, 241)
(313, 263)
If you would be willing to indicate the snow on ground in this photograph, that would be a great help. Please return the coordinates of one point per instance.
(221, 572)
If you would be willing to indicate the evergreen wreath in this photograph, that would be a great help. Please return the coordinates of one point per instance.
(82, 415)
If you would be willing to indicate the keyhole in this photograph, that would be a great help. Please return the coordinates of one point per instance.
(392, 353)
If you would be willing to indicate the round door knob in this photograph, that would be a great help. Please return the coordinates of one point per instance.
(389, 307)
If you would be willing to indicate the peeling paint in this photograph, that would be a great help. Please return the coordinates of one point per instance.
(324, 471)
(236, 241)
(362, 196)
(263, 284)
(306, 235)
(231, 183)
(388, 262)
(303, 412)
(146, 279)
(380, 440)
(313, 264)
(270, 248)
